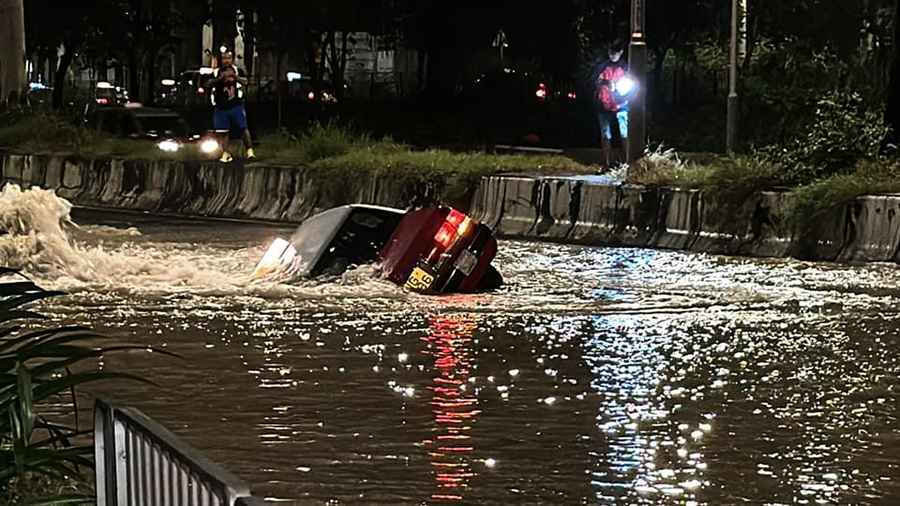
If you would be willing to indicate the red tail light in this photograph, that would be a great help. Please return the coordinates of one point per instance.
(445, 236)
(455, 217)
(102, 101)
(456, 224)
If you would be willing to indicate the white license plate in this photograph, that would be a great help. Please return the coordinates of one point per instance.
(466, 262)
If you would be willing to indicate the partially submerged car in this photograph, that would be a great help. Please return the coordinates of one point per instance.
(428, 250)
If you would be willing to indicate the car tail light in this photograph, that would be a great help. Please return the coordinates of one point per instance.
(455, 217)
(201, 91)
(102, 101)
(455, 225)
(446, 235)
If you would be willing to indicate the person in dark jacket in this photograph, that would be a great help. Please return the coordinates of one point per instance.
(228, 106)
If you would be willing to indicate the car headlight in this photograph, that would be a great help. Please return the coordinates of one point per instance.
(280, 254)
(209, 146)
(169, 146)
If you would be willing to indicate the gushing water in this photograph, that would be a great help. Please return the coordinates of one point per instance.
(45, 243)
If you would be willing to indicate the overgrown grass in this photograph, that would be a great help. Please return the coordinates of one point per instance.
(452, 175)
(812, 201)
(711, 172)
(318, 143)
(322, 147)
(731, 180)
(42, 133)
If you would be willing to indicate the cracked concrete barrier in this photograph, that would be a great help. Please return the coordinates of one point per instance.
(873, 229)
(680, 222)
(508, 204)
(751, 225)
(558, 206)
(257, 191)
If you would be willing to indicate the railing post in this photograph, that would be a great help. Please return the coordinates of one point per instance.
(104, 455)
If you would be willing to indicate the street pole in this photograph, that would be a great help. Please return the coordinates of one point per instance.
(637, 61)
(12, 50)
(732, 120)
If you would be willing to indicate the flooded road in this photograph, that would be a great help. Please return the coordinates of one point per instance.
(596, 376)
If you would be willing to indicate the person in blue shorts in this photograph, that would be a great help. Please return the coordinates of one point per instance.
(228, 106)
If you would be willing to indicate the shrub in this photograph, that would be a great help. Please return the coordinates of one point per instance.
(810, 202)
(842, 131)
(35, 369)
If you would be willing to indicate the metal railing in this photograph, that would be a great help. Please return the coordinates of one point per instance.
(140, 463)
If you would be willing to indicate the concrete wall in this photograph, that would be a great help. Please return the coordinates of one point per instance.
(580, 210)
(256, 191)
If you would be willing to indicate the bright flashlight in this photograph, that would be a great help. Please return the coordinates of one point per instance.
(169, 146)
(624, 85)
(209, 146)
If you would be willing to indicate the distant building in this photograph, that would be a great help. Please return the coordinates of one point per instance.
(376, 68)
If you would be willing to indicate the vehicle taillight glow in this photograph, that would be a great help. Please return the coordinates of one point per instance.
(102, 101)
(464, 227)
(445, 235)
(455, 217)
(456, 224)
(541, 92)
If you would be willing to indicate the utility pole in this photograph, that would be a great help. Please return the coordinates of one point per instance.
(637, 61)
(731, 130)
(12, 50)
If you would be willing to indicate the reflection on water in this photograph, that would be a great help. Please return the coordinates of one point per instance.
(596, 376)
(449, 342)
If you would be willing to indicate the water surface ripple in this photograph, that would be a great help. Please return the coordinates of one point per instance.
(596, 376)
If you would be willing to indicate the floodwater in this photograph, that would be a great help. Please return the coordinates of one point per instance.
(596, 376)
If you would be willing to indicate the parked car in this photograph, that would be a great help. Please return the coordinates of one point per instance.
(110, 95)
(164, 127)
(39, 96)
(428, 250)
(194, 87)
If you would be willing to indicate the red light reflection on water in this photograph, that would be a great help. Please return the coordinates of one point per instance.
(455, 409)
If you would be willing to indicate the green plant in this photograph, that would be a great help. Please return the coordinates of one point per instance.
(810, 202)
(36, 368)
(843, 130)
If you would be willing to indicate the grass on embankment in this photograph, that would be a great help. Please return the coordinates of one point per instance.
(339, 157)
(736, 178)
(44, 133)
(323, 146)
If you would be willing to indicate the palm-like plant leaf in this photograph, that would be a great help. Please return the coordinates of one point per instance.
(62, 500)
(34, 369)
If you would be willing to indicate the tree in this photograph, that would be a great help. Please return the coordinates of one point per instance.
(892, 111)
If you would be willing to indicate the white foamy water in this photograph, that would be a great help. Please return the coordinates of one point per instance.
(44, 242)
(147, 256)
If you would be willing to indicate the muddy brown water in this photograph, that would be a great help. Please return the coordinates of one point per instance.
(595, 376)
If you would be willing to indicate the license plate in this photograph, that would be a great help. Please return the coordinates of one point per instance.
(466, 262)
(419, 280)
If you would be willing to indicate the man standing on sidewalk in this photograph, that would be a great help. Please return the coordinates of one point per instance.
(228, 106)
(612, 104)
